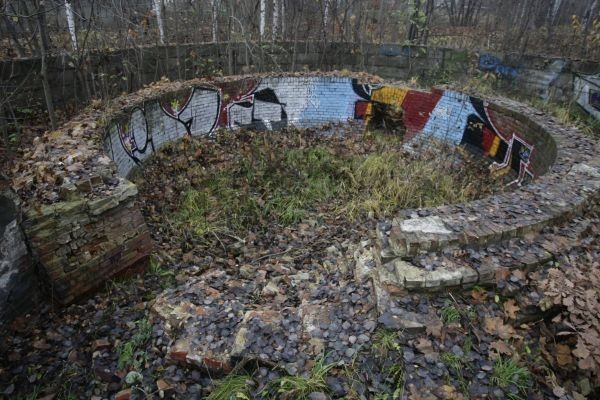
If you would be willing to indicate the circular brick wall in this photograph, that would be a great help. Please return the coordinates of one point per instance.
(83, 226)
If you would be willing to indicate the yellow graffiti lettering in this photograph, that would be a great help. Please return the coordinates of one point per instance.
(494, 147)
(389, 95)
(386, 95)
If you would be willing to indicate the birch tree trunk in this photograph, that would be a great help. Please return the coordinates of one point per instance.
(263, 18)
(590, 16)
(282, 17)
(214, 4)
(555, 10)
(71, 24)
(275, 28)
(159, 20)
(325, 16)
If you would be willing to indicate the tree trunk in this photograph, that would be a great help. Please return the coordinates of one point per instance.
(296, 29)
(282, 17)
(555, 11)
(71, 24)
(275, 27)
(13, 36)
(263, 18)
(380, 20)
(526, 17)
(429, 7)
(325, 16)
(41, 21)
(214, 4)
(591, 15)
(413, 29)
(159, 20)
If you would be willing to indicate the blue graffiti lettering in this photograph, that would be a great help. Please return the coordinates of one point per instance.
(487, 62)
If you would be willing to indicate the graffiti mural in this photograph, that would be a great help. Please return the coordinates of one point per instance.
(232, 92)
(129, 141)
(546, 80)
(594, 98)
(587, 93)
(490, 132)
(261, 110)
(134, 135)
(461, 120)
(196, 113)
(275, 102)
(489, 63)
(270, 103)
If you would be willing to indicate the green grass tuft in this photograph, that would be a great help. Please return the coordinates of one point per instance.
(457, 364)
(450, 314)
(452, 361)
(131, 353)
(507, 372)
(261, 185)
(300, 387)
(232, 387)
(385, 341)
(165, 276)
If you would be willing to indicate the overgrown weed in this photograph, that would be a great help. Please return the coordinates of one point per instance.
(268, 182)
(508, 373)
(386, 341)
(165, 276)
(131, 353)
(232, 387)
(449, 314)
(300, 387)
(457, 364)
(568, 113)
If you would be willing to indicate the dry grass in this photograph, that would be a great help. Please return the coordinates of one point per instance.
(284, 179)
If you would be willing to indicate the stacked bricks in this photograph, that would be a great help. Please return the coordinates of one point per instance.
(81, 243)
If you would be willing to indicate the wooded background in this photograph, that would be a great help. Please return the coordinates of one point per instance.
(74, 34)
(566, 28)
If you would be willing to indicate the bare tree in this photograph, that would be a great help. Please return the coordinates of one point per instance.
(71, 24)
(214, 4)
(462, 13)
(275, 27)
(263, 18)
(43, 38)
(158, 9)
(590, 16)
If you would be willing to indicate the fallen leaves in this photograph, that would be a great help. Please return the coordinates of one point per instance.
(571, 288)
(501, 347)
(502, 274)
(511, 308)
(434, 327)
(563, 355)
(424, 346)
(496, 326)
(581, 351)
(479, 295)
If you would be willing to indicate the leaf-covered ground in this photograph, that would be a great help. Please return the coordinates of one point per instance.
(533, 335)
(257, 183)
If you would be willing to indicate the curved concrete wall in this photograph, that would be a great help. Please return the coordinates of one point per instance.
(83, 224)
